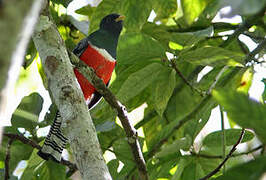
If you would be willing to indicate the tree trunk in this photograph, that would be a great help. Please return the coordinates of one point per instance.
(65, 91)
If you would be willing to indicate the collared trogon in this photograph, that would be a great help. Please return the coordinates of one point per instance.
(98, 51)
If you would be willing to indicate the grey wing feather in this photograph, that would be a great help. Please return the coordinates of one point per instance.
(81, 46)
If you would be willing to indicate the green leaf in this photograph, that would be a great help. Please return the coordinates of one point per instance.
(112, 166)
(192, 9)
(86, 10)
(26, 115)
(162, 89)
(192, 171)
(37, 168)
(138, 81)
(123, 152)
(33, 163)
(164, 9)
(135, 47)
(231, 135)
(190, 38)
(136, 12)
(51, 170)
(213, 56)
(18, 151)
(174, 147)
(252, 170)
(244, 111)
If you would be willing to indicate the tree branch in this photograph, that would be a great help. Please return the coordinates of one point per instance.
(24, 140)
(77, 124)
(226, 158)
(10, 141)
(132, 136)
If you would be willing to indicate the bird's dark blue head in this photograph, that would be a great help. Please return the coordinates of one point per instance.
(112, 23)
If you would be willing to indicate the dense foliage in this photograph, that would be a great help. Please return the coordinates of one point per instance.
(158, 64)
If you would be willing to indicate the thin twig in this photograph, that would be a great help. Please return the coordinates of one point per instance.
(221, 157)
(252, 54)
(223, 135)
(10, 141)
(132, 136)
(173, 63)
(227, 157)
(24, 140)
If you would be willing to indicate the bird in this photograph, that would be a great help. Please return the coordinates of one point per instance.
(98, 50)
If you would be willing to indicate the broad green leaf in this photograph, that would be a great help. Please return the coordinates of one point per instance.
(32, 166)
(244, 111)
(231, 135)
(166, 34)
(18, 151)
(135, 47)
(174, 147)
(107, 138)
(86, 10)
(123, 152)
(213, 56)
(138, 81)
(252, 170)
(192, 9)
(197, 167)
(192, 171)
(180, 168)
(244, 7)
(112, 166)
(50, 170)
(159, 32)
(162, 89)
(26, 115)
(194, 126)
(37, 168)
(162, 168)
(136, 12)
(164, 9)
(190, 38)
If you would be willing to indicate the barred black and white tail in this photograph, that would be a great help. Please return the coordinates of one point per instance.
(55, 141)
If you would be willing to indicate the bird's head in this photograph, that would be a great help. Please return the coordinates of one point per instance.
(112, 23)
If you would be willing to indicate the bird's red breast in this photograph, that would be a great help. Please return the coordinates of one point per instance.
(101, 62)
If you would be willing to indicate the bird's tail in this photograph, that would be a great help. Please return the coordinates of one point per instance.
(55, 141)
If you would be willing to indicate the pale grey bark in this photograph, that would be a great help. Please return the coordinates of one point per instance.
(65, 91)
(17, 20)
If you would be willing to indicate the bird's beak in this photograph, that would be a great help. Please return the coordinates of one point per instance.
(120, 18)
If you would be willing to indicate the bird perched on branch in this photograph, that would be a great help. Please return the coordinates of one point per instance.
(98, 51)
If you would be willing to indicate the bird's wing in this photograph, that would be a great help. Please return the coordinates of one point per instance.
(81, 47)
